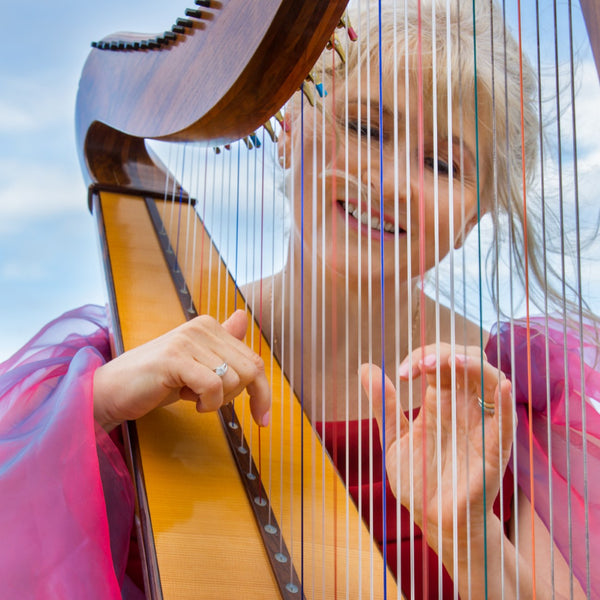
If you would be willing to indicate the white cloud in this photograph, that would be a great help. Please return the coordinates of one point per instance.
(28, 105)
(37, 189)
(15, 118)
(16, 271)
(587, 93)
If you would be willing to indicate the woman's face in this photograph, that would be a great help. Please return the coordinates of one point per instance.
(368, 202)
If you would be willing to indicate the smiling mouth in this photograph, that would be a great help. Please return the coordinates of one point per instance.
(363, 217)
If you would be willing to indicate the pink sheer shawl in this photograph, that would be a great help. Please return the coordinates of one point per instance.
(64, 535)
(565, 433)
(67, 500)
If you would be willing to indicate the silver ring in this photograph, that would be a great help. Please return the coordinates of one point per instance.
(486, 406)
(221, 369)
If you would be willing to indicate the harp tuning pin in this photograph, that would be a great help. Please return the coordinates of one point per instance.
(255, 140)
(248, 143)
(335, 43)
(345, 24)
(270, 131)
(205, 3)
(279, 117)
(193, 12)
(307, 91)
(227, 146)
(314, 77)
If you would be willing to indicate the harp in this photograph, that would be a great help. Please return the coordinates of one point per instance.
(192, 502)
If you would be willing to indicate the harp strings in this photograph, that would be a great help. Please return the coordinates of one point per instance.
(250, 233)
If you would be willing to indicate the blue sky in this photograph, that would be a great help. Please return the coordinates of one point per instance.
(48, 251)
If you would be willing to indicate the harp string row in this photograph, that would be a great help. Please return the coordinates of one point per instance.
(460, 285)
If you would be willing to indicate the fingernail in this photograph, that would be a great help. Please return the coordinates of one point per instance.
(266, 419)
(461, 358)
(404, 370)
(429, 360)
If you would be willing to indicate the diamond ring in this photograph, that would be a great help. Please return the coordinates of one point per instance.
(221, 369)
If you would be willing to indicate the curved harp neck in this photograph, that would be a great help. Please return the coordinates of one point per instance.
(225, 75)
(591, 13)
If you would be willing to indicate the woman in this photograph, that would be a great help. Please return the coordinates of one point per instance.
(377, 203)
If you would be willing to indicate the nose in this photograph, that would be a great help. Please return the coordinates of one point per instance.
(387, 171)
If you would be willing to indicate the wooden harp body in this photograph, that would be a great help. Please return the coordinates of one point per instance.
(218, 77)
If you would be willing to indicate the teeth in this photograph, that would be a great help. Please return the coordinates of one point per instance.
(364, 219)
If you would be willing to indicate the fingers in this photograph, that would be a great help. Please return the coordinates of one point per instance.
(221, 344)
(442, 367)
(236, 324)
(467, 374)
(375, 387)
(260, 398)
(425, 360)
(482, 377)
(506, 414)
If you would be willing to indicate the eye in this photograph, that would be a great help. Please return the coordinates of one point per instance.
(443, 168)
(363, 129)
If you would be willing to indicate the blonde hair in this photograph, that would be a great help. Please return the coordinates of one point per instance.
(489, 77)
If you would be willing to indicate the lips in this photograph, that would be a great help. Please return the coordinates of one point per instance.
(362, 217)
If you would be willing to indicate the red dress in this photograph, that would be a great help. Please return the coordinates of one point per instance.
(357, 475)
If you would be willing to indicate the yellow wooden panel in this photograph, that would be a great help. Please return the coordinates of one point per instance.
(197, 503)
(338, 551)
(206, 538)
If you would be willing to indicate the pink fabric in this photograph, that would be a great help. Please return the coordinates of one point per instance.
(56, 541)
(562, 412)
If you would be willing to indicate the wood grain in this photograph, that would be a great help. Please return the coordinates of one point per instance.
(206, 539)
(218, 83)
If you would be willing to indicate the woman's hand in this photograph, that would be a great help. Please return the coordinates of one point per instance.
(450, 410)
(181, 364)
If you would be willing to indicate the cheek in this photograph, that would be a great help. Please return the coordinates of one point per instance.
(437, 231)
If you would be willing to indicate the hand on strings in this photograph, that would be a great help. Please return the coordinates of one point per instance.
(187, 363)
(449, 470)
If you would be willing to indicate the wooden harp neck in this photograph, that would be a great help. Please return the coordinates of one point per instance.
(591, 14)
(230, 70)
